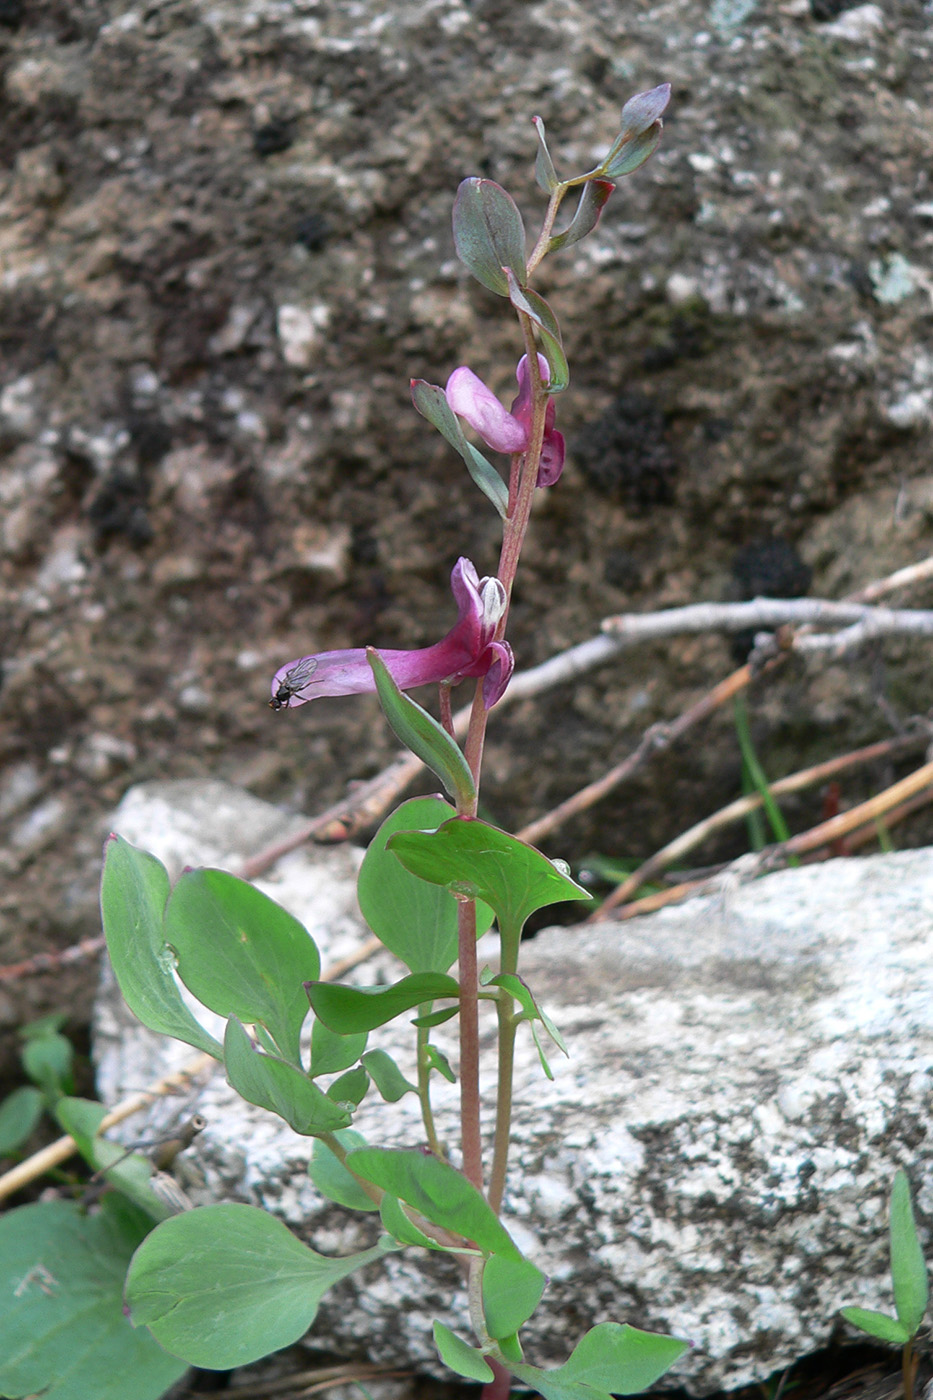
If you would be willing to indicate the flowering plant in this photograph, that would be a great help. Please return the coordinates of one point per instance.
(224, 1284)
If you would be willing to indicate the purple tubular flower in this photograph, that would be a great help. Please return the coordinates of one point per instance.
(467, 650)
(552, 449)
(469, 398)
(501, 430)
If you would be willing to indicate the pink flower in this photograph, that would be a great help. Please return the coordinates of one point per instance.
(467, 650)
(500, 429)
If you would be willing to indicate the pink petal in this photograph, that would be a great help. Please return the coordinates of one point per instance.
(469, 397)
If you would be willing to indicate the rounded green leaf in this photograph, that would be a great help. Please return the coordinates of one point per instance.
(622, 1359)
(471, 858)
(631, 154)
(421, 733)
(439, 1192)
(350, 1010)
(280, 1087)
(512, 1289)
(416, 921)
(463, 1359)
(241, 954)
(908, 1266)
(133, 893)
(593, 199)
(331, 1177)
(431, 402)
(224, 1285)
(19, 1114)
(62, 1330)
(489, 234)
(877, 1324)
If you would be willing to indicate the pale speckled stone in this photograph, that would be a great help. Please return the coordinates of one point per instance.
(714, 1159)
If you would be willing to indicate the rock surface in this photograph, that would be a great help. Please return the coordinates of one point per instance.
(714, 1159)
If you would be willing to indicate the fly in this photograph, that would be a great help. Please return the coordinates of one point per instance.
(294, 680)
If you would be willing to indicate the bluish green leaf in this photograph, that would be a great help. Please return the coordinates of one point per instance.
(19, 1114)
(354, 1009)
(593, 199)
(397, 1223)
(431, 402)
(609, 1360)
(512, 1289)
(622, 1359)
(642, 111)
(332, 1053)
(279, 1086)
(471, 858)
(415, 920)
(47, 1060)
(545, 1063)
(545, 174)
(489, 234)
(421, 733)
(438, 1061)
(631, 154)
(331, 1177)
(462, 1359)
(62, 1329)
(908, 1267)
(242, 954)
(536, 307)
(877, 1324)
(133, 894)
(387, 1077)
(435, 1018)
(438, 1192)
(224, 1285)
(350, 1088)
(131, 1175)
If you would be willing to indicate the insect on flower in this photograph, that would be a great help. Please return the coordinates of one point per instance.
(294, 680)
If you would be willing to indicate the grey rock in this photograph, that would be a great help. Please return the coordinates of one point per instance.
(745, 1074)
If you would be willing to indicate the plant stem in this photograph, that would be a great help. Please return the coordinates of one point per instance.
(470, 1141)
(500, 1157)
(424, 1090)
(908, 1369)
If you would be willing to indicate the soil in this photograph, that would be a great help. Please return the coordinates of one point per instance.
(225, 249)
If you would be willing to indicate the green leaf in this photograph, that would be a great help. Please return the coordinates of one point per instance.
(242, 954)
(19, 1114)
(489, 234)
(462, 1359)
(278, 1086)
(877, 1324)
(332, 1053)
(435, 1018)
(908, 1267)
(437, 1060)
(545, 174)
(133, 894)
(609, 1360)
(421, 733)
(545, 1064)
(622, 1359)
(397, 1223)
(536, 307)
(438, 1192)
(387, 1077)
(354, 1009)
(593, 199)
(47, 1060)
(471, 858)
(224, 1285)
(431, 402)
(629, 155)
(415, 920)
(331, 1177)
(62, 1329)
(350, 1088)
(512, 1289)
(131, 1174)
